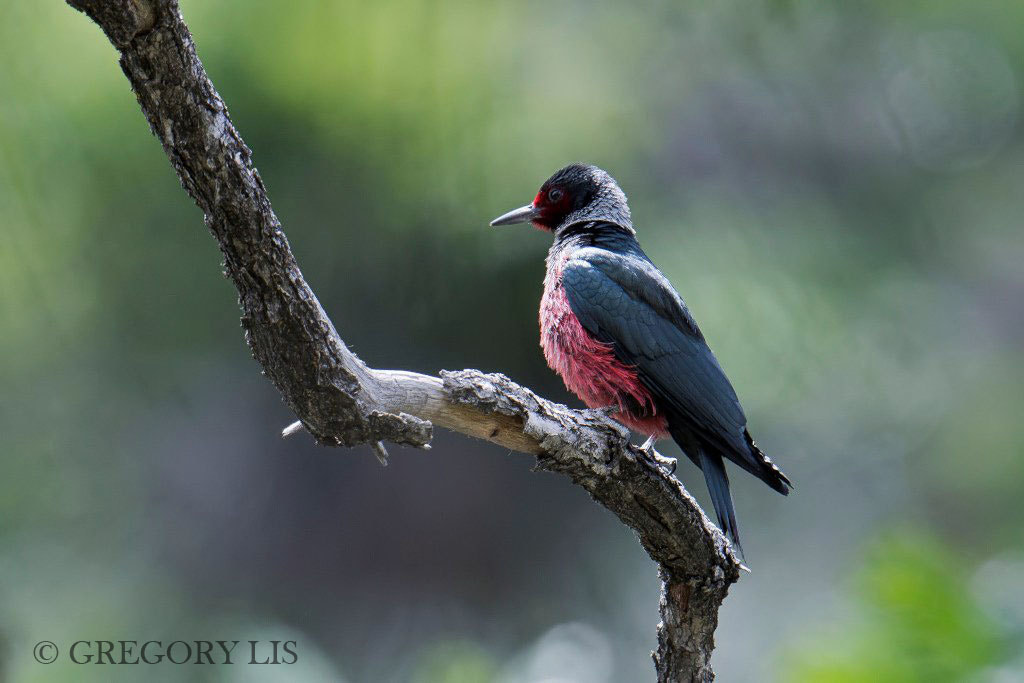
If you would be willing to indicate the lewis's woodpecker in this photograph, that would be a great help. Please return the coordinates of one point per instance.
(620, 336)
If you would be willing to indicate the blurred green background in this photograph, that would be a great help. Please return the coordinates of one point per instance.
(835, 188)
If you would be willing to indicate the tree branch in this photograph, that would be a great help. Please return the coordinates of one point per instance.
(343, 402)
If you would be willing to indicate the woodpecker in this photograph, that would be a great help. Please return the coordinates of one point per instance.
(620, 336)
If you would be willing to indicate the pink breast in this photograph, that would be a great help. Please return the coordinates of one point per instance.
(589, 367)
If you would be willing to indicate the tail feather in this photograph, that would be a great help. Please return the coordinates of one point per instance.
(718, 485)
(766, 470)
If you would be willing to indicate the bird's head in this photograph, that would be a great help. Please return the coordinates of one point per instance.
(574, 194)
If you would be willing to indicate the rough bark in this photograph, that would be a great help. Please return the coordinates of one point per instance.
(341, 401)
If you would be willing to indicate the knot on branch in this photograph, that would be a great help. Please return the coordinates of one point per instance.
(569, 439)
(490, 392)
(347, 422)
(402, 428)
(340, 403)
(121, 20)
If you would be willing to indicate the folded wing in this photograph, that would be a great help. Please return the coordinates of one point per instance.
(624, 300)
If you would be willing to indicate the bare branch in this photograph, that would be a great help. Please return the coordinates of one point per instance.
(343, 402)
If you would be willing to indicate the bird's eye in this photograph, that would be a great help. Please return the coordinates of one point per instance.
(554, 195)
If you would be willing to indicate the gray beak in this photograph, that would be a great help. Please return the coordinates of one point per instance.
(522, 215)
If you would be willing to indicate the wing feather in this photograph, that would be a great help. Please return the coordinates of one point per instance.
(624, 300)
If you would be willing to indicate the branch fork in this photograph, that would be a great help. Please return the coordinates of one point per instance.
(342, 402)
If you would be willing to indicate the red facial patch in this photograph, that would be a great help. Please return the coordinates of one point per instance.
(538, 201)
(551, 214)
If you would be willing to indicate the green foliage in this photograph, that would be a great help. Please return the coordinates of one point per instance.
(454, 662)
(834, 187)
(918, 622)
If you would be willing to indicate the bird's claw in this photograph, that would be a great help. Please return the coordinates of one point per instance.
(665, 463)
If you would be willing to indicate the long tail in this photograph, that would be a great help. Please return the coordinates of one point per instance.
(718, 485)
(711, 464)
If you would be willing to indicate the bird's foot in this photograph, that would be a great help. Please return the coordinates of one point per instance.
(665, 463)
